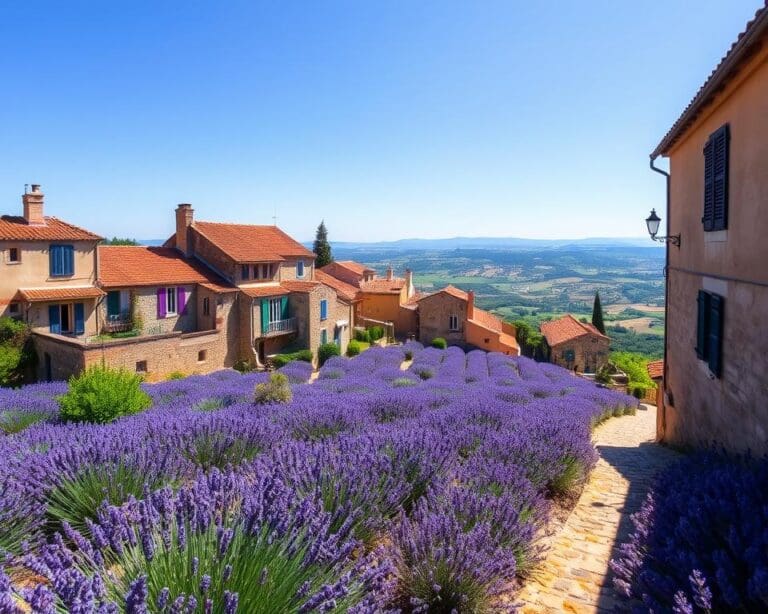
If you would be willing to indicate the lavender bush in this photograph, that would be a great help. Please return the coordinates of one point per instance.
(372, 488)
(700, 542)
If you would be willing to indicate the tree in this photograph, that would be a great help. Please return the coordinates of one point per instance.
(119, 241)
(322, 248)
(597, 314)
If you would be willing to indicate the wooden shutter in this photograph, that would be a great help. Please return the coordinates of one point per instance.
(709, 185)
(323, 309)
(715, 341)
(79, 319)
(702, 325)
(720, 140)
(264, 315)
(113, 303)
(161, 303)
(54, 319)
(182, 298)
(69, 260)
(284, 307)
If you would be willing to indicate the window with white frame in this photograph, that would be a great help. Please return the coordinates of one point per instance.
(453, 322)
(171, 301)
(275, 309)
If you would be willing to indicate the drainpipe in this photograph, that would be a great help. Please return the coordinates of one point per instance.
(667, 179)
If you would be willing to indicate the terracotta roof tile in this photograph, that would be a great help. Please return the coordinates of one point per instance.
(346, 291)
(746, 44)
(300, 286)
(264, 290)
(567, 328)
(252, 243)
(124, 266)
(383, 285)
(656, 369)
(15, 228)
(353, 266)
(486, 319)
(450, 290)
(62, 293)
(509, 341)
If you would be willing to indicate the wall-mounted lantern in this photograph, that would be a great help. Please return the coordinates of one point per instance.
(653, 221)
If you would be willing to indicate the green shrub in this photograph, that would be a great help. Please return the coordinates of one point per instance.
(362, 335)
(13, 331)
(283, 359)
(15, 421)
(276, 390)
(10, 360)
(439, 343)
(101, 395)
(354, 348)
(375, 333)
(174, 375)
(325, 351)
(243, 366)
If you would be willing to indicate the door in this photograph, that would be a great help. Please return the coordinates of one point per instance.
(337, 336)
(113, 305)
(66, 319)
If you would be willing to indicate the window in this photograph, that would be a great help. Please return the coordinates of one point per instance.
(716, 180)
(62, 260)
(14, 255)
(202, 355)
(275, 309)
(709, 330)
(256, 271)
(245, 271)
(300, 268)
(141, 366)
(453, 323)
(323, 336)
(266, 271)
(67, 318)
(14, 309)
(206, 306)
(323, 309)
(171, 303)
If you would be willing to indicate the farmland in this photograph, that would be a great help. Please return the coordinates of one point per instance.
(376, 486)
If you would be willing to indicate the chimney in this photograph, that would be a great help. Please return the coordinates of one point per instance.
(390, 273)
(184, 217)
(470, 305)
(33, 205)
(409, 282)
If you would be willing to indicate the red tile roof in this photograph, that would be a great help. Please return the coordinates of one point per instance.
(452, 291)
(124, 266)
(251, 243)
(746, 45)
(656, 369)
(15, 228)
(300, 286)
(344, 290)
(486, 319)
(509, 341)
(382, 285)
(353, 266)
(62, 293)
(264, 290)
(567, 328)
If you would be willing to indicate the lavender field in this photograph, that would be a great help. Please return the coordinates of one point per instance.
(374, 489)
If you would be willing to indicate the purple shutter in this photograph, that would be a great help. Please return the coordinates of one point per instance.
(161, 303)
(182, 298)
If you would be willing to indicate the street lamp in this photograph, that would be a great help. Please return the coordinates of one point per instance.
(653, 221)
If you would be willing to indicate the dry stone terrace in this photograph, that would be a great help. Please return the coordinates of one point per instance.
(574, 576)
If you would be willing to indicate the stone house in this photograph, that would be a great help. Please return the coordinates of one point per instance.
(716, 350)
(384, 300)
(576, 345)
(451, 313)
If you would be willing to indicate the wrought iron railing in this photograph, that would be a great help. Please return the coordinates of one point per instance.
(278, 327)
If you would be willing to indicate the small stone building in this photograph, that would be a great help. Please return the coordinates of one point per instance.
(576, 345)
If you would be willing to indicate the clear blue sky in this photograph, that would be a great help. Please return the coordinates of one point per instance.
(388, 119)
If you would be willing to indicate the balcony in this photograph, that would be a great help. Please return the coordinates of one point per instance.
(280, 327)
(118, 323)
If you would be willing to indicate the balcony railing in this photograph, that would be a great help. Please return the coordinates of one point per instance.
(118, 323)
(280, 327)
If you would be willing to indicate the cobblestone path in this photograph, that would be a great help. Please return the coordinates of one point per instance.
(574, 576)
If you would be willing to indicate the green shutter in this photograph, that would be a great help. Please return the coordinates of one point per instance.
(702, 325)
(113, 303)
(264, 315)
(715, 341)
(323, 337)
(284, 308)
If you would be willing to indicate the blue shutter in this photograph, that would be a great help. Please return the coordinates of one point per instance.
(323, 309)
(79, 319)
(54, 319)
(69, 260)
(62, 260)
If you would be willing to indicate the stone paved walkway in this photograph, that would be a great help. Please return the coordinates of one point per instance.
(575, 577)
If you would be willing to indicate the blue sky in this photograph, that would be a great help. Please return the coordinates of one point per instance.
(388, 119)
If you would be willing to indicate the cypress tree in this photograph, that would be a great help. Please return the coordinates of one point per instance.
(322, 248)
(597, 314)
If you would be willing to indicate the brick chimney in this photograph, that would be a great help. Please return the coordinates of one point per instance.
(470, 305)
(409, 282)
(390, 273)
(185, 215)
(33, 205)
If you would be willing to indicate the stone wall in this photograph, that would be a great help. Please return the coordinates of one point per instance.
(144, 304)
(589, 353)
(434, 312)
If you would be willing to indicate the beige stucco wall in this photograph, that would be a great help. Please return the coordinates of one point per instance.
(732, 263)
(433, 318)
(36, 315)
